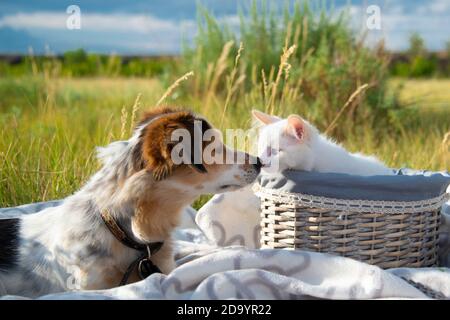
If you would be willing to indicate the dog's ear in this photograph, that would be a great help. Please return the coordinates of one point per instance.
(159, 141)
(264, 118)
(157, 147)
(194, 152)
(158, 159)
(296, 127)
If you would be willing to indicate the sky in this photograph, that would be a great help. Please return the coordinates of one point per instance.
(158, 27)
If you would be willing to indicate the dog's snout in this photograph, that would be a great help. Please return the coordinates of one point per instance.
(258, 164)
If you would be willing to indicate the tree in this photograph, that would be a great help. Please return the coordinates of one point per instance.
(416, 45)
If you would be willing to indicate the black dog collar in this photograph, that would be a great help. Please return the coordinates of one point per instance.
(144, 265)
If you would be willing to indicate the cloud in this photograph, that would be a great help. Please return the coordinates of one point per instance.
(400, 20)
(124, 33)
(161, 33)
(139, 23)
(439, 6)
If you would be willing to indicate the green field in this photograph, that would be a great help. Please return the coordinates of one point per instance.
(50, 128)
(53, 113)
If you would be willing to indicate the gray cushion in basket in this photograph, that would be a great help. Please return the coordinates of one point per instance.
(407, 185)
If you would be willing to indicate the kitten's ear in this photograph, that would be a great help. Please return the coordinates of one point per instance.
(264, 118)
(296, 127)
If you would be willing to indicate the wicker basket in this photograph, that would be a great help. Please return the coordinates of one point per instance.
(388, 234)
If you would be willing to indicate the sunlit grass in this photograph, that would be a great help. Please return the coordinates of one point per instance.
(309, 65)
(47, 142)
(47, 149)
(428, 93)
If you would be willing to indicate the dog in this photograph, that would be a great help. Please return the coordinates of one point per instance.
(129, 207)
(291, 143)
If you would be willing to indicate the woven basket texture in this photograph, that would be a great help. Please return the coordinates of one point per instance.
(386, 234)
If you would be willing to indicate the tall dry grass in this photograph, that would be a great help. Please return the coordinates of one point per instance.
(50, 125)
(47, 151)
(300, 59)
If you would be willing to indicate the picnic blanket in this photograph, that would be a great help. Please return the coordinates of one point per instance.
(206, 270)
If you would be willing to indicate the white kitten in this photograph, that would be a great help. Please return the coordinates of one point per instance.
(292, 143)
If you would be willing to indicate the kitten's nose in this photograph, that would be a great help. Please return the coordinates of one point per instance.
(258, 164)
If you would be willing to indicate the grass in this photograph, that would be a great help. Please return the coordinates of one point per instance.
(303, 58)
(50, 131)
(308, 64)
(427, 93)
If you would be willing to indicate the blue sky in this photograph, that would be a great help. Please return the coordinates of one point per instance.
(159, 26)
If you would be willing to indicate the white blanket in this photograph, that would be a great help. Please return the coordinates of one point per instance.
(209, 271)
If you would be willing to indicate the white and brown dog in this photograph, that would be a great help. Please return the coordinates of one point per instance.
(139, 192)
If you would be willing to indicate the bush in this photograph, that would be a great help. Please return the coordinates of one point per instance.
(79, 63)
(324, 64)
(147, 67)
(419, 62)
(423, 67)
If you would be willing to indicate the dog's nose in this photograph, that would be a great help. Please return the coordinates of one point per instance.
(258, 164)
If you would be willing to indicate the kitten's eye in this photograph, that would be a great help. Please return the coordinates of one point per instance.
(271, 151)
